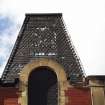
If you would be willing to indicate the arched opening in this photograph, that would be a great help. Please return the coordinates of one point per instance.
(50, 65)
(42, 87)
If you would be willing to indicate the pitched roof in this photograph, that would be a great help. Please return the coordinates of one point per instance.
(42, 35)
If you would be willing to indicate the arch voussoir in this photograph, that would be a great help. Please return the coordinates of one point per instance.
(56, 67)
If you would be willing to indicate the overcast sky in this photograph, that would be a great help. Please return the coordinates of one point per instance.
(84, 19)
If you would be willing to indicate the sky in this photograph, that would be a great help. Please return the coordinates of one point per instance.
(85, 23)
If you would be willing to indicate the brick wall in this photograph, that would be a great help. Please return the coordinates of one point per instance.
(8, 96)
(78, 96)
(75, 96)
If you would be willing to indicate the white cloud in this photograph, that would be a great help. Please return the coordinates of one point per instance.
(7, 40)
(85, 20)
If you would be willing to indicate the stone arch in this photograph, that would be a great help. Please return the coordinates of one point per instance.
(56, 67)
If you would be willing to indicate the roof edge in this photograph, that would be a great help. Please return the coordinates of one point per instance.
(43, 14)
(96, 77)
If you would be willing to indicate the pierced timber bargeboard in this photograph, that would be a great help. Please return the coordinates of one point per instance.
(43, 35)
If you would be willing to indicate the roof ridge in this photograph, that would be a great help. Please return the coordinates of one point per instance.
(43, 14)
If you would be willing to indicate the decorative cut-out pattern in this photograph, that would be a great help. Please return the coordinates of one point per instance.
(43, 36)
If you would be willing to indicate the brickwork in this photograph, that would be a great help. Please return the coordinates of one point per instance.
(8, 96)
(78, 96)
(73, 96)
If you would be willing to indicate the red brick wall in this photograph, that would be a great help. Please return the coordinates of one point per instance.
(8, 96)
(78, 96)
